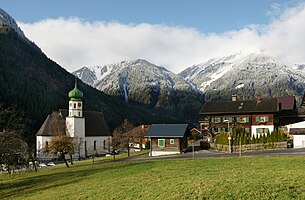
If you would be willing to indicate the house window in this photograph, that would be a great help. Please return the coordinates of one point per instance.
(172, 141)
(247, 130)
(261, 118)
(47, 145)
(74, 105)
(94, 145)
(244, 120)
(262, 130)
(161, 142)
(216, 120)
(213, 130)
(226, 119)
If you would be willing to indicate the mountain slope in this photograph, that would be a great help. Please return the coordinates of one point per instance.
(246, 76)
(142, 82)
(38, 85)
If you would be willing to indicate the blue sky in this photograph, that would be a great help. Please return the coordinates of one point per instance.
(204, 15)
(173, 33)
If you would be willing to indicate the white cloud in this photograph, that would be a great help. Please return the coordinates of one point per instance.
(74, 43)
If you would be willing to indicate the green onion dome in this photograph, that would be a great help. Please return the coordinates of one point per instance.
(75, 94)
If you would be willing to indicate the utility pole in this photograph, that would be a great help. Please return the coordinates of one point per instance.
(239, 144)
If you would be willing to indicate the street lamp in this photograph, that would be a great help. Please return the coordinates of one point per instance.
(229, 138)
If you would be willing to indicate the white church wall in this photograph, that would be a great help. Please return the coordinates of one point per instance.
(101, 147)
(41, 142)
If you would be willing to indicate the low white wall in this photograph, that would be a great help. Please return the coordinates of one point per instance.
(160, 153)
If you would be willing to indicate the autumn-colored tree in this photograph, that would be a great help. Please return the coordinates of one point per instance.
(63, 145)
(119, 137)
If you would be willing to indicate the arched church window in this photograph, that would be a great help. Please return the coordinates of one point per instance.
(94, 145)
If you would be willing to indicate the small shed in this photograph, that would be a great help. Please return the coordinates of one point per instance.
(297, 131)
(167, 139)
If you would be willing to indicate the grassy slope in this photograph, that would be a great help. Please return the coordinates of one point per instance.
(224, 178)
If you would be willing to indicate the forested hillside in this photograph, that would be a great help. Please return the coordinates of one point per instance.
(37, 85)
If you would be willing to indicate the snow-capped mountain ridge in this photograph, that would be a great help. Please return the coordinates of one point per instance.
(247, 75)
(205, 74)
(142, 82)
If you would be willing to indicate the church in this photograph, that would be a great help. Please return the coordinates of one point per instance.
(88, 128)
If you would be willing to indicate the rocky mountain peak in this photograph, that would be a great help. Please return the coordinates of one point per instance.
(7, 21)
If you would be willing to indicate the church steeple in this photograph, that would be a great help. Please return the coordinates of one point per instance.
(75, 102)
(75, 94)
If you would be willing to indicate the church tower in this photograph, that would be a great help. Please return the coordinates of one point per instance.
(75, 122)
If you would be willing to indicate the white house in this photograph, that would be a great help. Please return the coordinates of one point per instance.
(88, 128)
(297, 130)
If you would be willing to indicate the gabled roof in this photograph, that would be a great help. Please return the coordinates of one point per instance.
(139, 130)
(246, 106)
(53, 125)
(95, 124)
(167, 130)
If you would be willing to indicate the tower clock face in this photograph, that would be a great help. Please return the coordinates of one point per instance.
(79, 104)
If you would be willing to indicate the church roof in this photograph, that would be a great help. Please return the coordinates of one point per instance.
(53, 125)
(95, 124)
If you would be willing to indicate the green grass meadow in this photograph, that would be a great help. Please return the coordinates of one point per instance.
(215, 178)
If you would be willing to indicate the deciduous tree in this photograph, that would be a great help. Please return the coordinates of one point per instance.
(63, 145)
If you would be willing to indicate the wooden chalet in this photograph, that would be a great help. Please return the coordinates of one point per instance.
(257, 116)
(168, 138)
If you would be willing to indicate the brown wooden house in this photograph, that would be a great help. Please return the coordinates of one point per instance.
(257, 116)
(168, 138)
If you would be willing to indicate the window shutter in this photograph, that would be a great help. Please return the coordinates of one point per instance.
(257, 119)
(238, 119)
(247, 119)
(230, 119)
(219, 129)
(231, 130)
(213, 130)
(161, 142)
(267, 119)
(247, 130)
(212, 119)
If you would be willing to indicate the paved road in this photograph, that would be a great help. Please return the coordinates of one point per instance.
(215, 154)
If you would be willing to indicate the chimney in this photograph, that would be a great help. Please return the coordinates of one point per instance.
(234, 97)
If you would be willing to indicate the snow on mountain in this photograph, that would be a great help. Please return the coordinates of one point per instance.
(248, 75)
(133, 79)
(204, 74)
(139, 73)
(7, 21)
